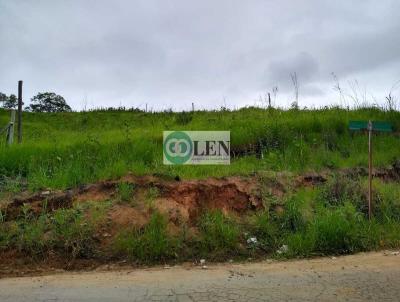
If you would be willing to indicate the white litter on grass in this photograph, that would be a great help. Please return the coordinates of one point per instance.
(202, 261)
(283, 249)
(252, 240)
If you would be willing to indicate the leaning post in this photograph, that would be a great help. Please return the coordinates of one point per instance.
(10, 132)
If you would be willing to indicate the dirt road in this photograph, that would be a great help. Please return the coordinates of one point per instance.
(371, 276)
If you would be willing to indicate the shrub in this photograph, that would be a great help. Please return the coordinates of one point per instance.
(30, 235)
(72, 233)
(8, 234)
(339, 189)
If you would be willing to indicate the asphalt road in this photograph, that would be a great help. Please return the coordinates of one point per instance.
(362, 277)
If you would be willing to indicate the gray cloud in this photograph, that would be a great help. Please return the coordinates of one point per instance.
(302, 63)
(170, 53)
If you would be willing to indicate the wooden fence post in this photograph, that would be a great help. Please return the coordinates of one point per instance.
(10, 132)
(19, 112)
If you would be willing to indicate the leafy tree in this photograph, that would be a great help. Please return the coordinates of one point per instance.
(3, 99)
(11, 102)
(48, 102)
(8, 102)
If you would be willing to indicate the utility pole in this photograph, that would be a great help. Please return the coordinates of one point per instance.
(19, 112)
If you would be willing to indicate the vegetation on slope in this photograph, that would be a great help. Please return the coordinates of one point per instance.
(66, 150)
(316, 220)
(63, 150)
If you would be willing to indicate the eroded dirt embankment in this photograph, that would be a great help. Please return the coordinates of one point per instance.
(181, 201)
(186, 199)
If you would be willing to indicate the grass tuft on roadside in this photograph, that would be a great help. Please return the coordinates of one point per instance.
(152, 243)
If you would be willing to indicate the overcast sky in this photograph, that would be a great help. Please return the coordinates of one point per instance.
(214, 53)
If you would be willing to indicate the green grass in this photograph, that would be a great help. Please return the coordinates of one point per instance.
(63, 150)
(69, 232)
(339, 225)
(151, 195)
(219, 234)
(125, 191)
(152, 243)
(72, 234)
(387, 201)
(267, 232)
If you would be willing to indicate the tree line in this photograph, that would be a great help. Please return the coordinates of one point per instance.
(42, 102)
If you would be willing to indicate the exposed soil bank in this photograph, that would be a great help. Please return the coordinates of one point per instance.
(184, 198)
(182, 202)
(188, 197)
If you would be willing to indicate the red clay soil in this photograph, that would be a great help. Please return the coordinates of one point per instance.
(124, 215)
(179, 199)
(191, 197)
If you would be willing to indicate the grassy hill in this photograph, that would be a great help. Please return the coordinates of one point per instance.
(147, 217)
(61, 150)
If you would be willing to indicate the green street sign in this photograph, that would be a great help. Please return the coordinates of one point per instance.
(376, 126)
(382, 126)
(370, 126)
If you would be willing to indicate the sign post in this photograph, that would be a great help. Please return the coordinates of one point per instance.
(369, 168)
(370, 126)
